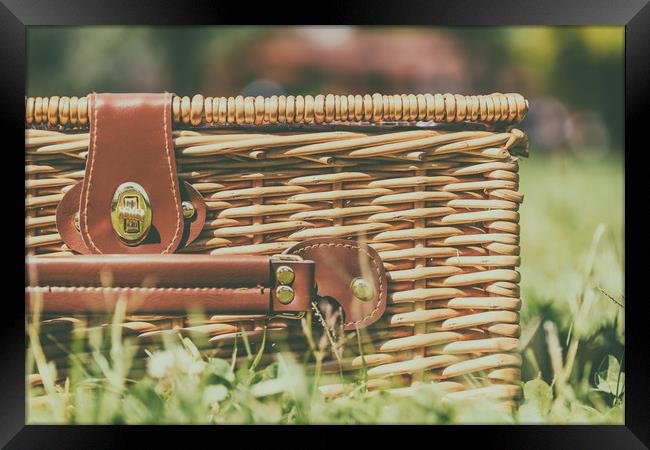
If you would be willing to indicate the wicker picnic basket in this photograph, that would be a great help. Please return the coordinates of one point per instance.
(429, 181)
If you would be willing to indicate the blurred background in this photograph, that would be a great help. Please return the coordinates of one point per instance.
(573, 76)
(572, 218)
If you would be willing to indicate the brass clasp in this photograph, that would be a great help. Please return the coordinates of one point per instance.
(131, 213)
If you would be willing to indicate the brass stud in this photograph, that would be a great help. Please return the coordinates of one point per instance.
(362, 289)
(188, 209)
(285, 275)
(284, 294)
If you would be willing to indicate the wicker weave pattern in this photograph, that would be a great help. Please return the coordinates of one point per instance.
(439, 206)
(73, 112)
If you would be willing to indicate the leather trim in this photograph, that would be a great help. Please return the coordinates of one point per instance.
(66, 210)
(338, 262)
(130, 140)
(194, 225)
(178, 270)
(71, 300)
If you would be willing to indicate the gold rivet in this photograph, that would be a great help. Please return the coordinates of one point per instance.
(76, 222)
(285, 294)
(362, 289)
(285, 275)
(188, 209)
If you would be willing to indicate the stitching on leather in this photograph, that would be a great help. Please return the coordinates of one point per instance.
(374, 263)
(90, 172)
(171, 177)
(92, 167)
(137, 289)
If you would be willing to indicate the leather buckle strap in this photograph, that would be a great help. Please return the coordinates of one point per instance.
(130, 199)
(345, 271)
(177, 283)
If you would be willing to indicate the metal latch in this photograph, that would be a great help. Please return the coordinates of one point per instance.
(131, 213)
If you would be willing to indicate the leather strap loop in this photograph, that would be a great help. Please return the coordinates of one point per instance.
(130, 141)
(342, 265)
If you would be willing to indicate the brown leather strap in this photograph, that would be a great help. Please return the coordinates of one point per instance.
(130, 141)
(167, 283)
(180, 270)
(93, 300)
(176, 283)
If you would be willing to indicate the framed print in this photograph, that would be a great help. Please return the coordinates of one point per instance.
(405, 216)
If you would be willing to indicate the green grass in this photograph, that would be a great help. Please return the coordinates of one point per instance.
(573, 332)
(572, 286)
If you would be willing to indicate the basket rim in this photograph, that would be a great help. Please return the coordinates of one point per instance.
(377, 110)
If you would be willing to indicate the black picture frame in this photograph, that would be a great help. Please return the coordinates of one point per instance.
(16, 15)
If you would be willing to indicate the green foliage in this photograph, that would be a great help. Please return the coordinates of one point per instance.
(539, 396)
(572, 340)
(612, 381)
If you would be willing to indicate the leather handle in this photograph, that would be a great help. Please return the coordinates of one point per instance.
(346, 271)
(167, 283)
(178, 270)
